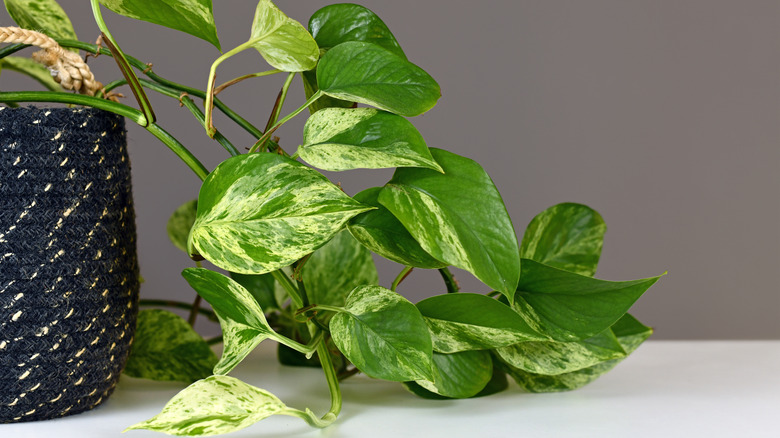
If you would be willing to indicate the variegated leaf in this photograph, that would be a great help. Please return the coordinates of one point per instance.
(260, 212)
(213, 406)
(363, 138)
(180, 223)
(283, 42)
(334, 270)
(465, 321)
(380, 231)
(241, 318)
(458, 217)
(165, 347)
(566, 236)
(194, 17)
(383, 335)
(460, 375)
(45, 16)
(569, 307)
(630, 333)
(551, 358)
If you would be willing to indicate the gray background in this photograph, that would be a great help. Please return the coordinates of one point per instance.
(662, 115)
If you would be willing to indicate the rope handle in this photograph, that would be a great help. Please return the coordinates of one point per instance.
(66, 67)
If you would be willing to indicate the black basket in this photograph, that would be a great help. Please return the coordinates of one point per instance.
(68, 265)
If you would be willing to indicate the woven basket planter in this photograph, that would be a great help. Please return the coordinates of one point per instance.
(68, 264)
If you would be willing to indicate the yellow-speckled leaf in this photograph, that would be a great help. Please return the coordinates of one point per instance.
(260, 212)
(384, 335)
(334, 270)
(213, 406)
(458, 217)
(551, 358)
(283, 42)
(629, 332)
(241, 318)
(194, 17)
(362, 138)
(465, 321)
(566, 236)
(45, 16)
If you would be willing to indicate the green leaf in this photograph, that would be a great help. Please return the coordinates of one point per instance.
(460, 375)
(362, 138)
(383, 335)
(32, 69)
(335, 269)
(180, 223)
(498, 381)
(194, 17)
(44, 16)
(242, 320)
(283, 42)
(565, 236)
(571, 307)
(310, 87)
(260, 212)
(369, 74)
(464, 321)
(629, 332)
(213, 406)
(340, 23)
(380, 231)
(458, 217)
(552, 358)
(165, 347)
(262, 287)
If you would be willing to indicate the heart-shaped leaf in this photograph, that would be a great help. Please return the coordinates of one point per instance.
(458, 217)
(44, 16)
(380, 231)
(338, 267)
(242, 320)
(369, 74)
(180, 223)
(362, 138)
(283, 42)
(339, 23)
(213, 406)
(165, 347)
(464, 321)
(571, 307)
(551, 358)
(260, 212)
(383, 335)
(459, 375)
(629, 332)
(194, 17)
(565, 236)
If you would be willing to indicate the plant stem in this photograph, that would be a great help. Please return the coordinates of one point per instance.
(449, 280)
(124, 66)
(231, 82)
(333, 382)
(401, 276)
(280, 102)
(179, 149)
(209, 104)
(194, 311)
(308, 349)
(288, 286)
(268, 133)
(215, 340)
(13, 48)
(178, 305)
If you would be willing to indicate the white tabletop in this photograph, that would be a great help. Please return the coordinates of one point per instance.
(665, 389)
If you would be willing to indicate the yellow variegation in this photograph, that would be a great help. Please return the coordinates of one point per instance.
(213, 406)
(283, 42)
(260, 212)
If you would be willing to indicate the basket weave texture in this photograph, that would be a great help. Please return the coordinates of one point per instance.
(68, 264)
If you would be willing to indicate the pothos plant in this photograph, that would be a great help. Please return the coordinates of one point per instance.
(298, 250)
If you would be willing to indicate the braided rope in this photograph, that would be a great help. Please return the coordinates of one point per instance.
(67, 68)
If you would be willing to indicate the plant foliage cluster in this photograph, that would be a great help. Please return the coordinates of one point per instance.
(298, 250)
